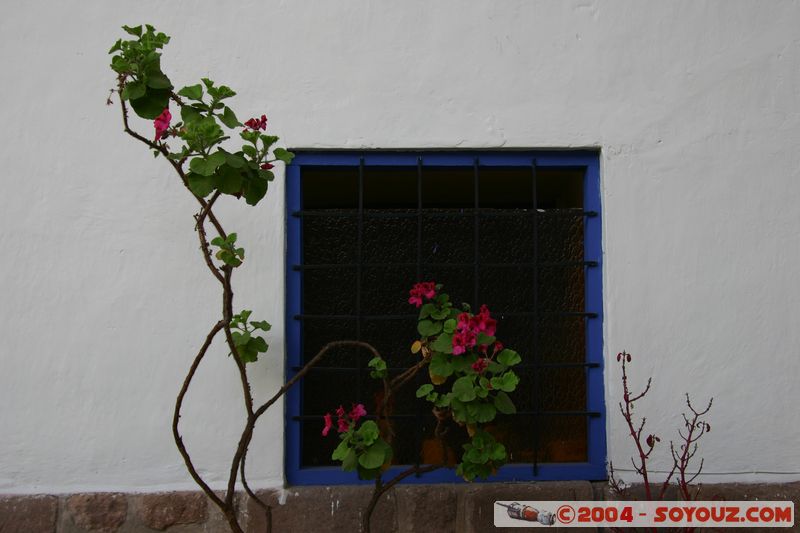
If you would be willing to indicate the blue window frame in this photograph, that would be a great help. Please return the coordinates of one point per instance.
(346, 171)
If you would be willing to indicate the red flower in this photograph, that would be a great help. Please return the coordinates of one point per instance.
(357, 412)
(328, 424)
(343, 425)
(480, 365)
(267, 166)
(462, 341)
(340, 411)
(161, 124)
(257, 123)
(424, 289)
(483, 322)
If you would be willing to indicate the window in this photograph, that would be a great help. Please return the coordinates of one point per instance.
(518, 231)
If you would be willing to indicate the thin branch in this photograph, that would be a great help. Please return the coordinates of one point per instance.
(177, 415)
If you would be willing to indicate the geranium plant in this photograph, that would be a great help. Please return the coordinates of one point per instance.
(213, 155)
(469, 377)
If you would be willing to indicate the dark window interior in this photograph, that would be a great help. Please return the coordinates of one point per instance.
(369, 233)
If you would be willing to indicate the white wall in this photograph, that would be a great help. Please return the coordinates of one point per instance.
(695, 107)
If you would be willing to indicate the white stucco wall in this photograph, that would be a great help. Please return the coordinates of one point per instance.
(694, 104)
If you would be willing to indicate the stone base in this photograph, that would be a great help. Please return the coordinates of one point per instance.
(462, 508)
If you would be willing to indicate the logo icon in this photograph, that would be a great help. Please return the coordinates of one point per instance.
(528, 514)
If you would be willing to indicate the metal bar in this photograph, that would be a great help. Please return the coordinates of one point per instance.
(549, 264)
(466, 212)
(590, 414)
(537, 369)
(501, 314)
(400, 369)
(476, 245)
(419, 218)
(359, 252)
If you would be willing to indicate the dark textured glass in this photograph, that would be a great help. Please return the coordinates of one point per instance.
(319, 332)
(527, 262)
(563, 438)
(403, 229)
(447, 237)
(329, 291)
(507, 239)
(560, 237)
(561, 288)
(507, 289)
(329, 239)
(562, 389)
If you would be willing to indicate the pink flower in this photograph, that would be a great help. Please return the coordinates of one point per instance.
(483, 323)
(498, 347)
(340, 411)
(462, 341)
(357, 412)
(328, 424)
(257, 123)
(480, 365)
(344, 425)
(424, 289)
(161, 124)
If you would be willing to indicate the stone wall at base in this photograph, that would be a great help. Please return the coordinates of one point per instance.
(463, 508)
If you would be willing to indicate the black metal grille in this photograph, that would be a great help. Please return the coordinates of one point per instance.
(508, 237)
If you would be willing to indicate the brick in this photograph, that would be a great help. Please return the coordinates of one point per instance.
(323, 510)
(422, 508)
(102, 512)
(28, 514)
(162, 510)
(477, 506)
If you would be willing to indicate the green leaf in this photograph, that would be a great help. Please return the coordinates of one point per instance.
(443, 343)
(440, 365)
(440, 314)
(136, 31)
(373, 456)
(229, 118)
(117, 47)
(254, 189)
(350, 461)
(236, 160)
(341, 450)
(507, 382)
(229, 180)
(426, 310)
(258, 344)
(481, 412)
(508, 357)
(151, 104)
(247, 354)
(504, 404)
(240, 339)
(497, 452)
(155, 78)
(424, 390)
(368, 432)
(463, 389)
(190, 114)
(192, 92)
(262, 325)
(485, 339)
(200, 185)
(283, 155)
(449, 326)
(428, 328)
(133, 90)
(249, 150)
(208, 165)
